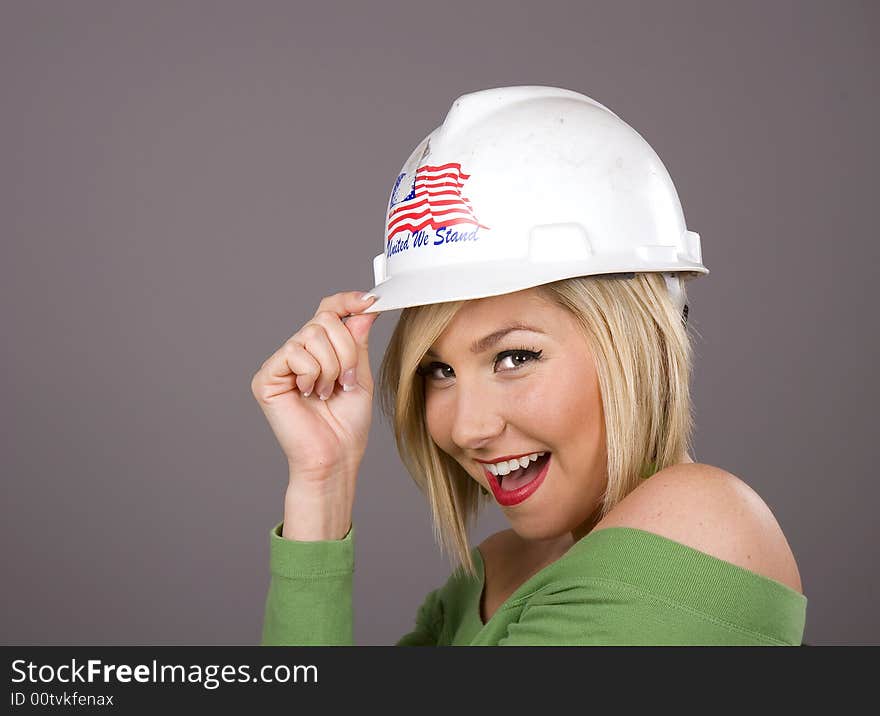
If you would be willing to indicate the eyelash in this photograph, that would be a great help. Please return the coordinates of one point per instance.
(534, 356)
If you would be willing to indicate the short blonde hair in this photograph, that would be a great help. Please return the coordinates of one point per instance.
(643, 361)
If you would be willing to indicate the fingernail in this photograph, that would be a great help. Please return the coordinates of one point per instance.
(306, 395)
(348, 380)
(323, 397)
(368, 296)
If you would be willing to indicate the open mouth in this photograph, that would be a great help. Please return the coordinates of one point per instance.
(522, 476)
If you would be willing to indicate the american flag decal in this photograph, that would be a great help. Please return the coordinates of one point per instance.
(434, 200)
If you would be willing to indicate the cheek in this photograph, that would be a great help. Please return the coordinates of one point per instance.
(437, 422)
(567, 403)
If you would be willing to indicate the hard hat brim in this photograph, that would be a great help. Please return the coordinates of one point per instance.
(495, 278)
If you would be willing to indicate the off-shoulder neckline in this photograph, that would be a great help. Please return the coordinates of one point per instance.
(660, 540)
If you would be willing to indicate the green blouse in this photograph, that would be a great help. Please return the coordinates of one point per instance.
(615, 586)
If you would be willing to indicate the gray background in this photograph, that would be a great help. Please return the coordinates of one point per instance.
(182, 182)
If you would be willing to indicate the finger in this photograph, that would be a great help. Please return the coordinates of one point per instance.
(313, 337)
(345, 303)
(290, 365)
(359, 328)
(343, 344)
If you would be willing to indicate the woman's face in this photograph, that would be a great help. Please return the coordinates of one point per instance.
(490, 394)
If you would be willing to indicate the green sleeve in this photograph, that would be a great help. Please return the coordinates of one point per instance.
(310, 592)
(429, 623)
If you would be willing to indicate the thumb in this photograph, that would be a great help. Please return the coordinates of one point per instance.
(359, 326)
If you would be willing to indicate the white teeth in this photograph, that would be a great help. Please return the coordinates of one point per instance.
(508, 466)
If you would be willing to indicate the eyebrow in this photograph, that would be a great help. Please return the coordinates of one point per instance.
(485, 343)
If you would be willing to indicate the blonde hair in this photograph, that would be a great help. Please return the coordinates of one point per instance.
(643, 360)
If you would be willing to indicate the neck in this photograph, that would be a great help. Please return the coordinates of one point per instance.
(583, 529)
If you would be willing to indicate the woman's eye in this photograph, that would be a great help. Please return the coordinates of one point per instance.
(517, 358)
(429, 370)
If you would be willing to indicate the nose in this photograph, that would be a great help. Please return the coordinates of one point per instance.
(478, 416)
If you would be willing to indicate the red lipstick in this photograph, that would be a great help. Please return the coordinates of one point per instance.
(508, 498)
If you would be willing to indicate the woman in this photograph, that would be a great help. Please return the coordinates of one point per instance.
(537, 247)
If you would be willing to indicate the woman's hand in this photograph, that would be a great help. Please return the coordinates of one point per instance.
(322, 428)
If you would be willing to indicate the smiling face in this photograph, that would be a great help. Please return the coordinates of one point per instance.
(526, 391)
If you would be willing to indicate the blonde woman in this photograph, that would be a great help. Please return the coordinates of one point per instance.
(541, 362)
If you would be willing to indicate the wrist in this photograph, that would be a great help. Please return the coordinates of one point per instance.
(312, 515)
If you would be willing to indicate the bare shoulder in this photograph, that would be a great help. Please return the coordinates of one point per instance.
(711, 510)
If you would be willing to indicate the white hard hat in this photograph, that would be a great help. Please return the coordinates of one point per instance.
(522, 186)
